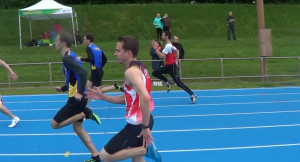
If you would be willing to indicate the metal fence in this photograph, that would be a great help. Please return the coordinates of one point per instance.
(221, 77)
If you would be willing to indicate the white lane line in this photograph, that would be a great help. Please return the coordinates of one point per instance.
(169, 151)
(177, 91)
(163, 98)
(158, 131)
(178, 116)
(167, 106)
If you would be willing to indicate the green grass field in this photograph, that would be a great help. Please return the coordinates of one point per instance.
(201, 32)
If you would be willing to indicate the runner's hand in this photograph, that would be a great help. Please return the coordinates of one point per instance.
(147, 138)
(78, 96)
(14, 76)
(58, 89)
(94, 93)
(155, 45)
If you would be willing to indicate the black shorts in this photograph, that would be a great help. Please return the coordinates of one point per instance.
(96, 77)
(71, 108)
(127, 138)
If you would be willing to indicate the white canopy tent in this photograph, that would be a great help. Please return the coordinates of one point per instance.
(45, 10)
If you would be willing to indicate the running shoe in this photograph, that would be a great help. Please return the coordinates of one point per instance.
(152, 153)
(193, 98)
(169, 85)
(118, 87)
(14, 122)
(93, 116)
(93, 160)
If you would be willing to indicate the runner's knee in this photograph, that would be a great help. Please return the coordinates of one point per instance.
(54, 124)
(104, 156)
(77, 127)
(138, 159)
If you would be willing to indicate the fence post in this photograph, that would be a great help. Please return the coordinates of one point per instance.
(222, 70)
(8, 79)
(262, 69)
(299, 64)
(180, 68)
(50, 74)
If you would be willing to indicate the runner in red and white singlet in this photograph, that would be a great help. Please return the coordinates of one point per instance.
(133, 109)
(135, 138)
(171, 54)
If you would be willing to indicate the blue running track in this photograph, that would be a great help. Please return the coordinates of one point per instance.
(230, 125)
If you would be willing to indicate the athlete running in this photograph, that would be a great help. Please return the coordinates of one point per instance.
(134, 140)
(171, 65)
(74, 111)
(4, 109)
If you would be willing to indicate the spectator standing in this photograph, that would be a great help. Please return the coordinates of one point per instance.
(166, 23)
(57, 27)
(158, 26)
(53, 35)
(179, 47)
(156, 64)
(231, 26)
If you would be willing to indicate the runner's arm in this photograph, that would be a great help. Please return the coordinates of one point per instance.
(114, 99)
(64, 88)
(6, 66)
(161, 55)
(104, 59)
(176, 55)
(71, 64)
(90, 55)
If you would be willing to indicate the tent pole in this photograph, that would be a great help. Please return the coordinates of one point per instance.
(76, 21)
(30, 29)
(75, 41)
(20, 31)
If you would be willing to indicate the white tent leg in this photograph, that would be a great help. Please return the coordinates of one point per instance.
(30, 30)
(20, 31)
(76, 21)
(75, 41)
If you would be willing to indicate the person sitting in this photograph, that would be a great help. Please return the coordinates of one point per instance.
(46, 38)
(78, 38)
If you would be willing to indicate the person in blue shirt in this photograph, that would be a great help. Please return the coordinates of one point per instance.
(52, 36)
(74, 111)
(97, 60)
(158, 26)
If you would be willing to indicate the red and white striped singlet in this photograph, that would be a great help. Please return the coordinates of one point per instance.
(133, 110)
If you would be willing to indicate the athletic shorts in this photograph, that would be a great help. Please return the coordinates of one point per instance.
(1, 102)
(96, 77)
(127, 138)
(71, 108)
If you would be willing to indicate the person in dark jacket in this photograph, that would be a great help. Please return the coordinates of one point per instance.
(179, 47)
(166, 23)
(156, 64)
(231, 26)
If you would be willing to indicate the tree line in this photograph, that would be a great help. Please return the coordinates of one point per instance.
(9, 4)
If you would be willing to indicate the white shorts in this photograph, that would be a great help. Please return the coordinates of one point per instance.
(1, 102)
